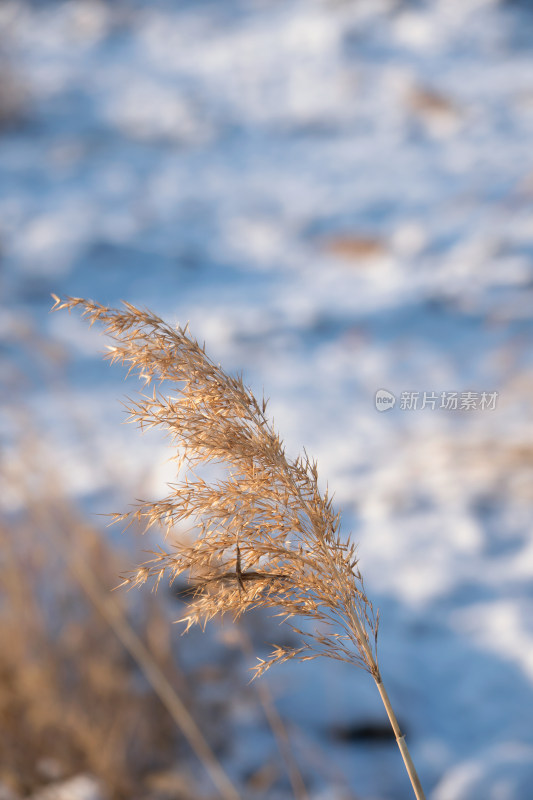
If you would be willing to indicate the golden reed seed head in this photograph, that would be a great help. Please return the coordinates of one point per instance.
(266, 535)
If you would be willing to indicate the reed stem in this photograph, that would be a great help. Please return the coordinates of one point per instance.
(400, 741)
(400, 738)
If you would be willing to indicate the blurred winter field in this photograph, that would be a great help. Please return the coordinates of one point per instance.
(338, 196)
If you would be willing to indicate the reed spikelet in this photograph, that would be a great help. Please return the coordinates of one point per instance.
(267, 535)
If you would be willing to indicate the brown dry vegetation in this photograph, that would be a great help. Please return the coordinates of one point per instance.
(72, 700)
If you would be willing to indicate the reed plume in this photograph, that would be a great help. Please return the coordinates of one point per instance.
(267, 535)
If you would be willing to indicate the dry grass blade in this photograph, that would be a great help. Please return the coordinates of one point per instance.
(267, 535)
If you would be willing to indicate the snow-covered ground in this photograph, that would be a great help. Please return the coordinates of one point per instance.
(338, 195)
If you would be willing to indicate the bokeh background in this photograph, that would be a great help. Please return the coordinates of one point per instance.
(338, 196)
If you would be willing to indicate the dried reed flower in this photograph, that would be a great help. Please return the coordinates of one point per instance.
(267, 535)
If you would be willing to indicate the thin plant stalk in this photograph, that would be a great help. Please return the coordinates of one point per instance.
(400, 740)
(267, 535)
